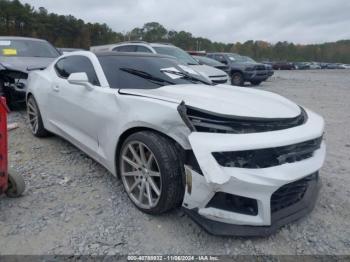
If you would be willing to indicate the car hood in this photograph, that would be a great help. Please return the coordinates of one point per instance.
(208, 71)
(224, 99)
(22, 63)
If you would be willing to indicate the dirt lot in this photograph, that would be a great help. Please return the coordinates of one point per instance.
(73, 206)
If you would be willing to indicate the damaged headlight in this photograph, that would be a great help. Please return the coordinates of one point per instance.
(268, 157)
(202, 121)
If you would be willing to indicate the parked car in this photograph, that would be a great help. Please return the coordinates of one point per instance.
(269, 68)
(332, 66)
(343, 66)
(346, 66)
(314, 65)
(64, 50)
(17, 56)
(323, 65)
(203, 60)
(215, 75)
(242, 70)
(301, 65)
(239, 161)
(282, 65)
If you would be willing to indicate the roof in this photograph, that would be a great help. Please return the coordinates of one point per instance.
(132, 54)
(221, 53)
(160, 44)
(21, 38)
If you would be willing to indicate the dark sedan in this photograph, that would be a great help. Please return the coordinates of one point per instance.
(283, 66)
(17, 56)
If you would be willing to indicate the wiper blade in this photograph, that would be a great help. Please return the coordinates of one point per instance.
(187, 76)
(146, 75)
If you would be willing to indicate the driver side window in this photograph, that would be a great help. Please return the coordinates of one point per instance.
(221, 59)
(125, 48)
(76, 64)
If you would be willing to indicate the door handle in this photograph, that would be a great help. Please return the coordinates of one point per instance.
(56, 88)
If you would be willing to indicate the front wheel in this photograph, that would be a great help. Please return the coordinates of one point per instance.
(151, 172)
(237, 79)
(35, 120)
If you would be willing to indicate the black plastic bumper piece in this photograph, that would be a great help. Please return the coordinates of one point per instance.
(279, 218)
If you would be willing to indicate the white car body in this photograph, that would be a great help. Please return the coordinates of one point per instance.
(215, 75)
(95, 119)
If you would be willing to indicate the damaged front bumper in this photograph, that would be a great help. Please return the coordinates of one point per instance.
(13, 85)
(254, 201)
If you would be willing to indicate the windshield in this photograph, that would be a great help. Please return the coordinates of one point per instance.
(147, 72)
(248, 59)
(176, 52)
(27, 48)
(207, 61)
(237, 58)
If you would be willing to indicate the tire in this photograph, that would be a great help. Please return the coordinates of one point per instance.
(34, 118)
(164, 170)
(237, 79)
(2, 91)
(255, 83)
(16, 185)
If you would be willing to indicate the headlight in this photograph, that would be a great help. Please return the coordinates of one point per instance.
(199, 120)
(268, 157)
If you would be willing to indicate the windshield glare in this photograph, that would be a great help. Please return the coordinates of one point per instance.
(237, 58)
(27, 48)
(141, 72)
(178, 53)
(248, 59)
(208, 61)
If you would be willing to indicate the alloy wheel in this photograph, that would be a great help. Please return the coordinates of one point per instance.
(33, 117)
(140, 174)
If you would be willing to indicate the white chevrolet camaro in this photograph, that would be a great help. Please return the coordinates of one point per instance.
(239, 161)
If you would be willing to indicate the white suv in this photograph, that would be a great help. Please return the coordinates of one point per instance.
(217, 76)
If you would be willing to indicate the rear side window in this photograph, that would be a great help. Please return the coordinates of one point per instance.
(143, 49)
(125, 48)
(76, 64)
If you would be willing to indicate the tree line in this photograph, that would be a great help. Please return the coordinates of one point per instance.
(17, 19)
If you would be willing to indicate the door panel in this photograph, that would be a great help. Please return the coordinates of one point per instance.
(75, 109)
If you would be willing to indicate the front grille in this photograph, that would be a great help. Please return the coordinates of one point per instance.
(260, 67)
(219, 81)
(233, 203)
(268, 157)
(204, 121)
(291, 194)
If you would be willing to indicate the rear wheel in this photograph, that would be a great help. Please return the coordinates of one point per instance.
(237, 79)
(151, 172)
(35, 120)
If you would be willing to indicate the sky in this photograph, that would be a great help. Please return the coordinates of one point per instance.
(228, 21)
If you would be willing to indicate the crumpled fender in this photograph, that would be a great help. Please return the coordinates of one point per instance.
(211, 170)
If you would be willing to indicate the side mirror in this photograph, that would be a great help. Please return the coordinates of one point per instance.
(80, 79)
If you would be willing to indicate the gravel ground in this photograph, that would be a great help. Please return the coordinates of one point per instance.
(73, 206)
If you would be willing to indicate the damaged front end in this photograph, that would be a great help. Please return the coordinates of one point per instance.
(13, 85)
(251, 175)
